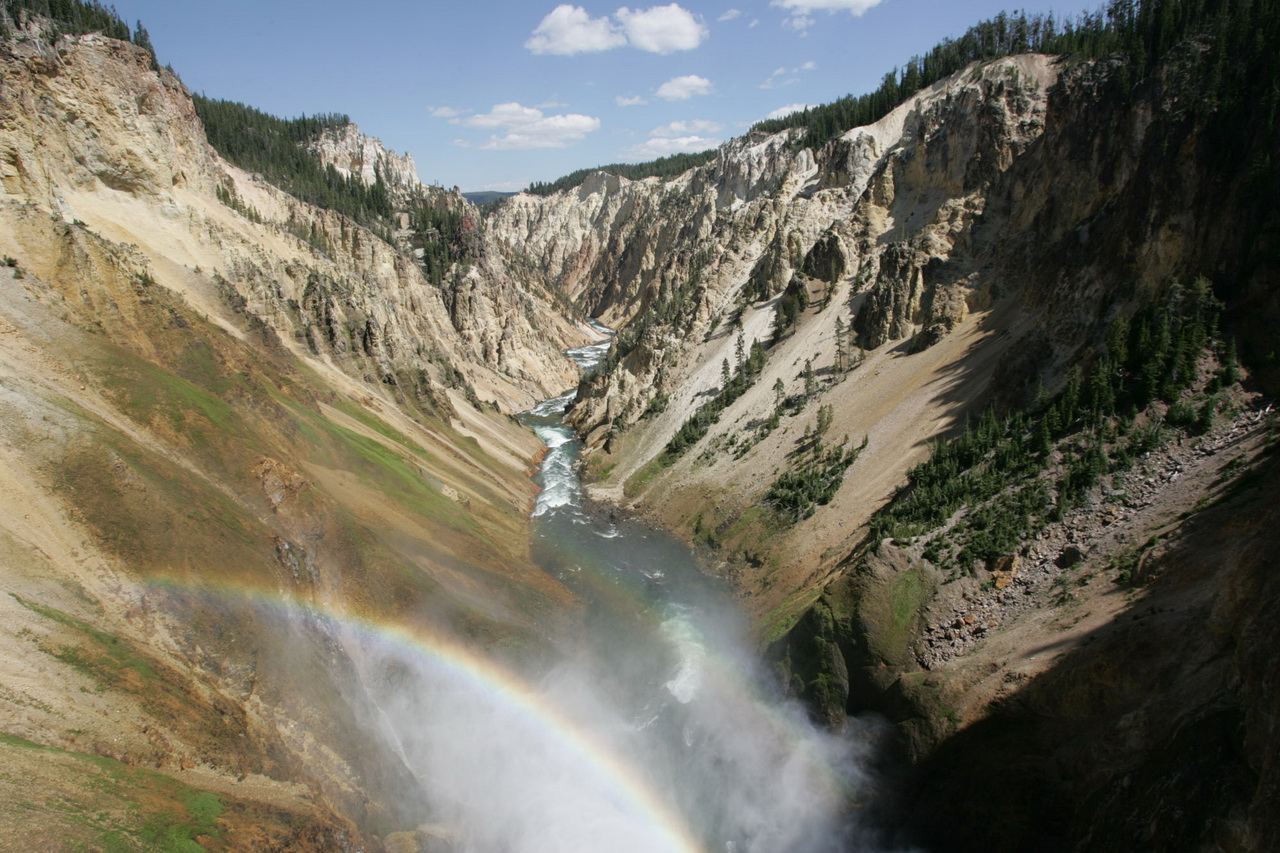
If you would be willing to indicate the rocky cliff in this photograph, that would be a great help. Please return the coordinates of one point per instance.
(883, 228)
(978, 230)
(92, 138)
(352, 153)
(236, 429)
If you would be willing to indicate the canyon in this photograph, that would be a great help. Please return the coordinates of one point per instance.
(243, 434)
(973, 244)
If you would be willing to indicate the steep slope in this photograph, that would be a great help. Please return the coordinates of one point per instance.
(858, 226)
(963, 254)
(1125, 701)
(232, 459)
(981, 230)
(96, 138)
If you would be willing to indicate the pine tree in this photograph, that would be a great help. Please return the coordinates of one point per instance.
(1044, 441)
(143, 40)
(825, 417)
(841, 364)
(1230, 374)
(757, 359)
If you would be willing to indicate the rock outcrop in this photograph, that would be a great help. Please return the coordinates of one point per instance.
(350, 152)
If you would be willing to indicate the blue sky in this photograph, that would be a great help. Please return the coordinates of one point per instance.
(493, 95)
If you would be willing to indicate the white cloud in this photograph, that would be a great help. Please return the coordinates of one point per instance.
(780, 78)
(443, 112)
(527, 127)
(804, 7)
(678, 137)
(462, 143)
(777, 80)
(801, 11)
(662, 29)
(788, 110)
(567, 30)
(630, 101)
(503, 115)
(694, 127)
(552, 132)
(755, 22)
(664, 146)
(729, 15)
(684, 88)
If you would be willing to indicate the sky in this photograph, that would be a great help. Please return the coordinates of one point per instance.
(494, 94)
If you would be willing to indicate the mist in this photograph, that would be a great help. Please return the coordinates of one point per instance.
(653, 729)
(690, 751)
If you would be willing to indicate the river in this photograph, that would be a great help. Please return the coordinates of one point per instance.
(741, 768)
(654, 729)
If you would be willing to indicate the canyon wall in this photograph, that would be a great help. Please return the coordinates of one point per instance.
(965, 252)
(239, 433)
(899, 210)
(972, 244)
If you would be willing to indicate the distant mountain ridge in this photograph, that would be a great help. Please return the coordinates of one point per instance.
(482, 197)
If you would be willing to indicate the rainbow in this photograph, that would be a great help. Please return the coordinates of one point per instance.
(497, 685)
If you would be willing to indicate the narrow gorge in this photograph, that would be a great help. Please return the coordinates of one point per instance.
(898, 484)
